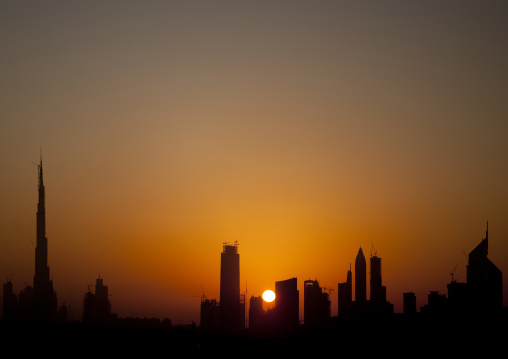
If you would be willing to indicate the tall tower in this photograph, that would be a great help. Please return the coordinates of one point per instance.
(41, 277)
(377, 290)
(287, 304)
(345, 292)
(316, 304)
(360, 277)
(44, 301)
(230, 309)
(484, 279)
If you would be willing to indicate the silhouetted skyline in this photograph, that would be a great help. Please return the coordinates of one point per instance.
(303, 130)
(470, 310)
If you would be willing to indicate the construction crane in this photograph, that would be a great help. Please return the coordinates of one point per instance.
(203, 297)
(453, 272)
(330, 290)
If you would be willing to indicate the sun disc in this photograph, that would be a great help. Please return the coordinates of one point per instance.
(268, 296)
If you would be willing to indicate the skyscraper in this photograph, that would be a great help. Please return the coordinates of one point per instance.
(484, 278)
(377, 290)
(44, 300)
(230, 306)
(97, 308)
(360, 277)
(316, 304)
(256, 313)
(287, 302)
(345, 295)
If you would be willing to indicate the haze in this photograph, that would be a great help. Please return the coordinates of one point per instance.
(303, 130)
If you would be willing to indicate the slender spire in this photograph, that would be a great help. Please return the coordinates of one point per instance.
(41, 249)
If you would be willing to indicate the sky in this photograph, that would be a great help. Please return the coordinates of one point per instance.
(303, 130)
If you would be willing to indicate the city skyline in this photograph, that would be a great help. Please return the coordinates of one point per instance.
(302, 131)
(483, 291)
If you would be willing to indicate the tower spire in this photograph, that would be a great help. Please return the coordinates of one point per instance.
(44, 300)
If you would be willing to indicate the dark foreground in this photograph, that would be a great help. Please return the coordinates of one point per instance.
(397, 337)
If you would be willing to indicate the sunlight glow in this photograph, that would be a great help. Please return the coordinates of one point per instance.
(268, 296)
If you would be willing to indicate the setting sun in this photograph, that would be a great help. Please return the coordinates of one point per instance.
(268, 296)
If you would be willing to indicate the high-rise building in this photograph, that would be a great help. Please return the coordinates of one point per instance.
(484, 279)
(377, 290)
(210, 314)
(345, 292)
(360, 277)
(103, 305)
(230, 305)
(97, 307)
(10, 302)
(44, 297)
(316, 305)
(38, 302)
(256, 313)
(287, 304)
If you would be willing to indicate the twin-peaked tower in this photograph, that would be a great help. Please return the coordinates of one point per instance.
(377, 302)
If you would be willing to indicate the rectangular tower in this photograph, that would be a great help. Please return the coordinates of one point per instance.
(287, 303)
(377, 290)
(230, 308)
(345, 292)
(316, 305)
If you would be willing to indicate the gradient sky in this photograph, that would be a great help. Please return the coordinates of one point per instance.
(301, 129)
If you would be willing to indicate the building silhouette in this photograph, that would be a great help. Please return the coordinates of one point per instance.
(377, 290)
(437, 305)
(360, 277)
(409, 303)
(316, 304)
(44, 301)
(256, 313)
(10, 302)
(345, 293)
(39, 302)
(459, 298)
(484, 279)
(209, 314)
(232, 309)
(97, 307)
(287, 303)
(377, 303)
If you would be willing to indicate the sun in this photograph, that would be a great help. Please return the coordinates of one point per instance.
(268, 296)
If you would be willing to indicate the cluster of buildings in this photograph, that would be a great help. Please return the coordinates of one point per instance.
(229, 314)
(361, 306)
(482, 295)
(39, 301)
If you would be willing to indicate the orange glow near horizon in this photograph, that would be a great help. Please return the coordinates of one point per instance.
(303, 132)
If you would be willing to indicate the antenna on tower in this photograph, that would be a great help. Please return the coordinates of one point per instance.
(203, 297)
(372, 250)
